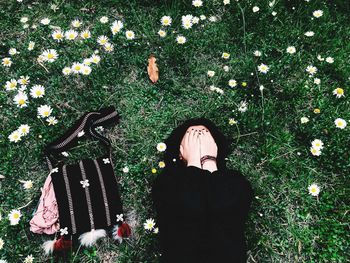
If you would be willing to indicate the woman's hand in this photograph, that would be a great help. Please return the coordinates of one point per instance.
(190, 148)
(208, 144)
(208, 147)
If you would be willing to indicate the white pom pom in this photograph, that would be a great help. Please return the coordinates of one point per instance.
(115, 234)
(89, 238)
(48, 246)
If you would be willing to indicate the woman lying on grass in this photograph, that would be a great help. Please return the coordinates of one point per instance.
(201, 205)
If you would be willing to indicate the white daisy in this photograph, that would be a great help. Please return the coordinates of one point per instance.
(76, 23)
(24, 19)
(161, 147)
(226, 2)
(161, 33)
(14, 216)
(226, 68)
(44, 111)
(317, 13)
(85, 34)
(216, 89)
(21, 99)
(304, 120)
(181, 40)
(37, 91)
(195, 20)
(243, 106)
(311, 70)
(149, 224)
(27, 184)
(315, 152)
(104, 19)
(13, 51)
(125, 169)
(108, 47)
(263, 68)
(130, 34)
(257, 53)
(329, 60)
(15, 136)
(6, 62)
(256, 9)
(87, 61)
(338, 92)
(317, 144)
(309, 33)
(71, 34)
(66, 70)
(116, 27)
(31, 45)
(225, 55)
(86, 70)
(45, 21)
(57, 35)
(232, 83)
(102, 40)
(314, 189)
(11, 85)
(317, 81)
(187, 21)
(210, 73)
(23, 81)
(166, 20)
(340, 123)
(1, 243)
(52, 120)
(197, 3)
(95, 59)
(232, 121)
(50, 55)
(29, 259)
(291, 50)
(24, 129)
(77, 67)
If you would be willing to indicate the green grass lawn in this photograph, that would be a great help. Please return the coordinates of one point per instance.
(270, 143)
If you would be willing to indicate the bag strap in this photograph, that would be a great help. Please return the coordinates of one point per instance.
(86, 123)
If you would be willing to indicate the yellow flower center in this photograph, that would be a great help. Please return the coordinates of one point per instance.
(16, 216)
(21, 102)
(50, 56)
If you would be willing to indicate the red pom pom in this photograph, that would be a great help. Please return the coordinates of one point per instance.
(124, 230)
(62, 244)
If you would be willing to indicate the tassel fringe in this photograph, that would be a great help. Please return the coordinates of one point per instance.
(115, 234)
(88, 239)
(48, 246)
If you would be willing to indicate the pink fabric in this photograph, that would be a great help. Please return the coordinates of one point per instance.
(45, 219)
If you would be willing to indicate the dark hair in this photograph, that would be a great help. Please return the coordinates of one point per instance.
(174, 140)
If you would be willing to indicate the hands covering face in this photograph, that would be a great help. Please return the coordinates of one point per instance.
(196, 143)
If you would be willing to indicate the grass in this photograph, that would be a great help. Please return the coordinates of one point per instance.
(269, 143)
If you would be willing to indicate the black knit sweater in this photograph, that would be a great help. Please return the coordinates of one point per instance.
(201, 215)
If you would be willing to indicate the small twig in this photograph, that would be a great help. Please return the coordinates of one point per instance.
(247, 134)
(43, 67)
(25, 205)
(244, 33)
(277, 157)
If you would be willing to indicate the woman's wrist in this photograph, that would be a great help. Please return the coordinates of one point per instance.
(194, 163)
(210, 165)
